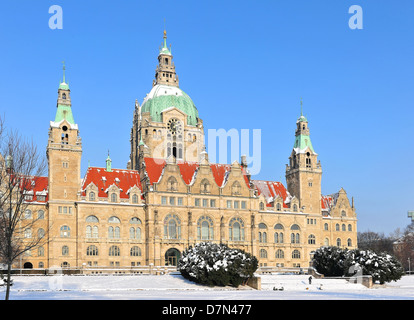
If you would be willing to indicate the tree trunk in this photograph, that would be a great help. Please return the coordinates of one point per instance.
(8, 281)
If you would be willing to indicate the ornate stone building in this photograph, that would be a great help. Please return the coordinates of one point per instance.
(171, 196)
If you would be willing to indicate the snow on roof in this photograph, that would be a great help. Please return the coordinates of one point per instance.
(122, 179)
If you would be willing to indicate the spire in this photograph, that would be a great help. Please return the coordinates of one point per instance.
(108, 163)
(63, 85)
(302, 118)
(165, 72)
(164, 49)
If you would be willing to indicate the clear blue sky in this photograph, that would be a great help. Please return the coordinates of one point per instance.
(245, 64)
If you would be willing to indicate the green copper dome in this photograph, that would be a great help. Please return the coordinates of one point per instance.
(163, 97)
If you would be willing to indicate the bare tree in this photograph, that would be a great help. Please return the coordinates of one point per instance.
(20, 166)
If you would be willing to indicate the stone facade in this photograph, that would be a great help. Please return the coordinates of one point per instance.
(170, 196)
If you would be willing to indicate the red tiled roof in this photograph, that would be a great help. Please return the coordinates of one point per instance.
(154, 168)
(39, 186)
(271, 189)
(219, 172)
(187, 170)
(326, 202)
(123, 179)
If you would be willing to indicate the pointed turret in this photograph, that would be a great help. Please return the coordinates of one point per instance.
(165, 72)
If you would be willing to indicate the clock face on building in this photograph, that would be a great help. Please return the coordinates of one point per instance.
(174, 126)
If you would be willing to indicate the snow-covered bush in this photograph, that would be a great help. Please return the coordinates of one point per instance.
(217, 264)
(334, 261)
(382, 267)
(330, 261)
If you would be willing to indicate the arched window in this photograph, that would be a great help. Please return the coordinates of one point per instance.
(278, 207)
(326, 242)
(172, 227)
(349, 227)
(294, 238)
(337, 227)
(114, 251)
(349, 242)
(343, 227)
(114, 219)
(91, 196)
(263, 254)
(40, 215)
(294, 227)
(180, 151)
(28, 214)
(134, 198)
(64, 232)
(296, 254)
(64, 96)
(261, 206)
(114, 197)
(343, 213)
(236, 229)
(169, 148)
(295, 208)
(40, 252)
(92, 251)
(40, 233)
(278, 237)
(92, 219)
(279, 254)
(326, 226)
(205, 228)
(311, 239)
(135, 233)
(135, 251)
(338, 242)
(262, 233)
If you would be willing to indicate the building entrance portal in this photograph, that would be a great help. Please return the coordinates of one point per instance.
(171, 257)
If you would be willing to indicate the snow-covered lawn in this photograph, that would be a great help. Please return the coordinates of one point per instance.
(173, 286)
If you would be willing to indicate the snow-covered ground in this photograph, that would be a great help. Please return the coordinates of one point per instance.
(173, 286)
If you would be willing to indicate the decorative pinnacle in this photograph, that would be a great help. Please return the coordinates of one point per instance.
(64, 70)
(301, 107)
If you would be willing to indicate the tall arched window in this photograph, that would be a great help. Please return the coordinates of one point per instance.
(135, 251)
(338, 242)
(114, 232)
(172, 227)
(205, 228)
(114, 251)
(236, 229)
(263, 254)
(114, 197)
(92, 251)
(278, 233)
(64, 232)
(279, 254)
(91, 196)
(296, 254)
(311, 239)
(295, 236)
(262, 233)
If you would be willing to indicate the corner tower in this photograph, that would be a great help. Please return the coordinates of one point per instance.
(304, 172)
(167, 124)
(64, 149)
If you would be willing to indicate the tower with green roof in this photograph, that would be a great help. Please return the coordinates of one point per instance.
(304, 171)
(167, 121)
